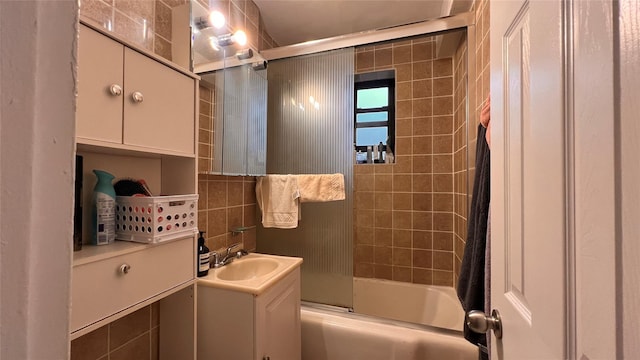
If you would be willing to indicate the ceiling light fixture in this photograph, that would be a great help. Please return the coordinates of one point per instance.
(239, 38)
(215, 19)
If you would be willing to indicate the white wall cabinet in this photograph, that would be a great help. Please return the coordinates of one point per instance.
(126, 98)
(151, 138)
(242, 326)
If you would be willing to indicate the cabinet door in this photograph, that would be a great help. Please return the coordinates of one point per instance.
(278, 320)
(99, 110)
(164, 117)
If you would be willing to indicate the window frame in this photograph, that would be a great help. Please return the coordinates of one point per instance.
(371, 81)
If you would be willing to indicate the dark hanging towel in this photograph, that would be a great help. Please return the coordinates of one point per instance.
(471, 281)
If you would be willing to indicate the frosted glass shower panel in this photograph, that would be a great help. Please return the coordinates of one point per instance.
(310, 131)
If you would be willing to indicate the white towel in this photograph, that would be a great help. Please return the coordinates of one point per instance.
(278, 197)
(321, 187)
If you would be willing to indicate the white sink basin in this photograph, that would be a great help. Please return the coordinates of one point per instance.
(253, 273)
(246, 269)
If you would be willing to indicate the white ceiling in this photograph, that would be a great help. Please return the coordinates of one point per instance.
(296, 21)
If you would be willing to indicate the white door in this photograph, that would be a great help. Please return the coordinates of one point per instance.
(528, 179)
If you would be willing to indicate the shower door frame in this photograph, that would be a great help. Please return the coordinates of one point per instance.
(464, 21)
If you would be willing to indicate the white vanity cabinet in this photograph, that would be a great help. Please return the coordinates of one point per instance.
(245, 326)
(126, 98)
(277, 321)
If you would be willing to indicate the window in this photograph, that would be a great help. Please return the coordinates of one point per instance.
(374, 116)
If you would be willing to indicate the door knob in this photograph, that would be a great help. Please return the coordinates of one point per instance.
(137, 97)
(478, 322)
(115, 90)
(124, 269)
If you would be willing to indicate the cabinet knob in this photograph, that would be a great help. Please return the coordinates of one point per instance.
(124, 269)
(137, 97)
(115, 90)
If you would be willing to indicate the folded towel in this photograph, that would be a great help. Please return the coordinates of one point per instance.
(277, 197)
(321, 187)
(471, 283)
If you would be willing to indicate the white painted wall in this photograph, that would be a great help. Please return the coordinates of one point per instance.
(37, 93)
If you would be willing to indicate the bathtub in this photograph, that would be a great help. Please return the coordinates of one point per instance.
(431, 305)
(332, 333)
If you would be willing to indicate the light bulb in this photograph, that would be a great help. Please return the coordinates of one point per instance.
(213, 42)
(217, 19)
(240, 38)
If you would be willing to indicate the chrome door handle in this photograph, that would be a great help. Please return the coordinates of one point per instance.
(478, 322)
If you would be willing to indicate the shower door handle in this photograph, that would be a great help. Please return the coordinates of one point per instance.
(480, 323)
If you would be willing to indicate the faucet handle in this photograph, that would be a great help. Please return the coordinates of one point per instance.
(241, 253)
(232, 247)
(215, 259)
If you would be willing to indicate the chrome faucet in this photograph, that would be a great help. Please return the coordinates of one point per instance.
(228, 256)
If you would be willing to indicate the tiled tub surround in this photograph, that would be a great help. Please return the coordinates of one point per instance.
(404, 211)
(133, 337)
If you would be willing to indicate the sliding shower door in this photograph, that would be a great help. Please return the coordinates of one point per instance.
(310, 131)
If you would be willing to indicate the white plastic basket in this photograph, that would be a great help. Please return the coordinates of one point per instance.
(155, 219)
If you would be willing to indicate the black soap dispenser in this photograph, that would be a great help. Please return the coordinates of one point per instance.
(203, 256)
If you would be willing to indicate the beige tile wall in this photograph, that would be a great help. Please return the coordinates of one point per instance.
(479, 90)
(460, 165)
(146, 23)
(133, 337)
(404, 211)
(227, 202)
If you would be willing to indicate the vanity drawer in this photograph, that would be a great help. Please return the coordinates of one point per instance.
(105, 287)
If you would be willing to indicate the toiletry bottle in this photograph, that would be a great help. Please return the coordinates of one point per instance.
(381, 152)
(77, 206)
(103, 216)
(203, 256)
(369, 155)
